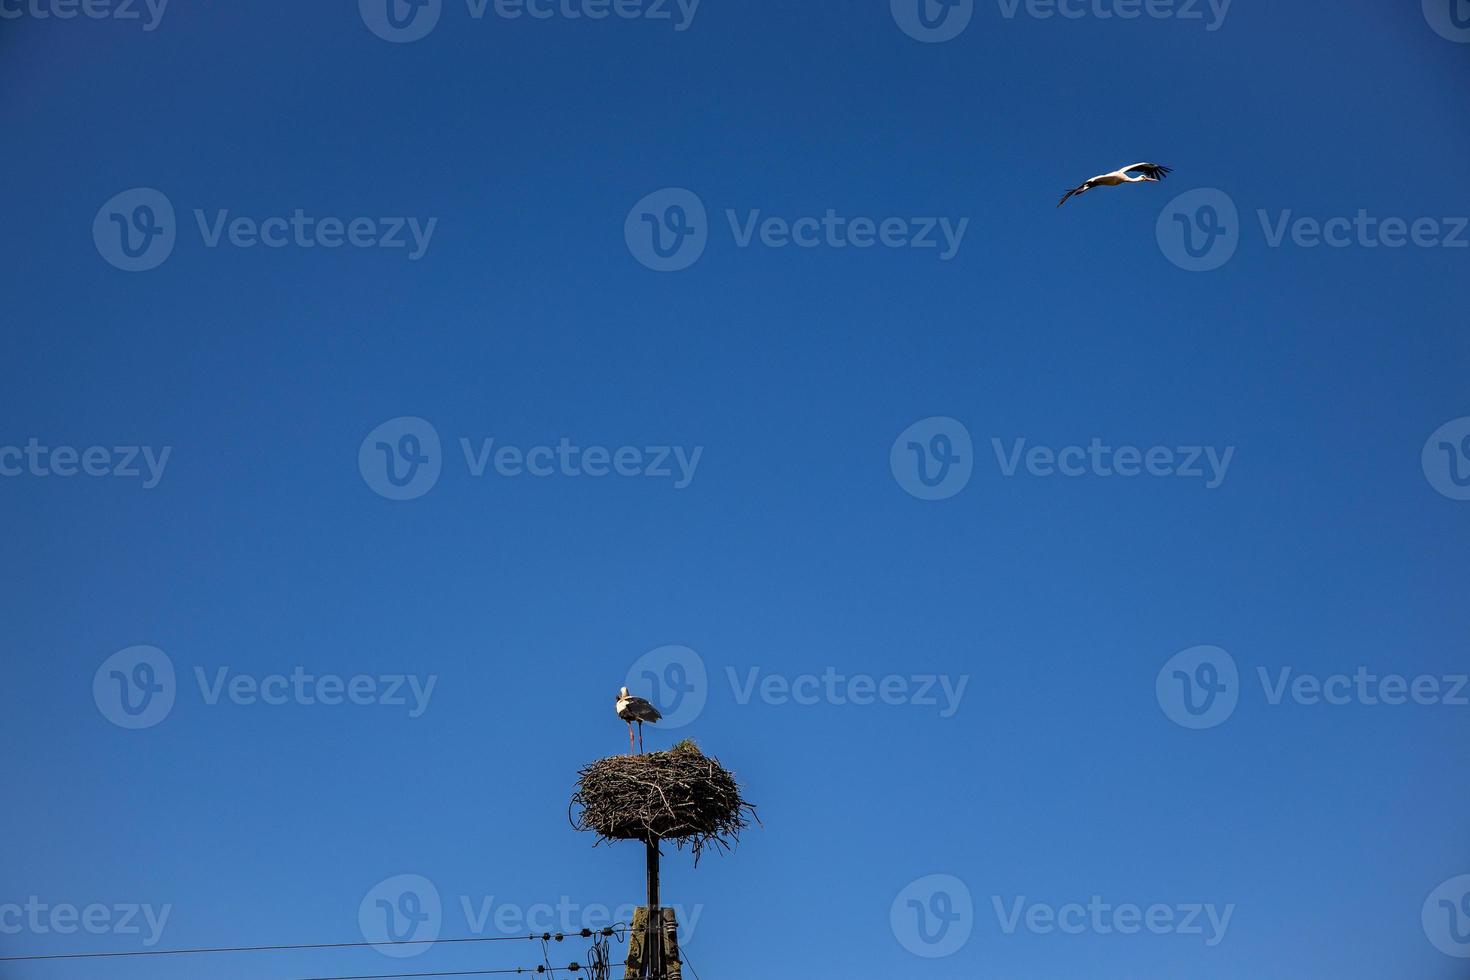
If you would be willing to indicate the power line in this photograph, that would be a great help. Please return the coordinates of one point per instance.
(544, 937)
(684, 957)
(570, 968)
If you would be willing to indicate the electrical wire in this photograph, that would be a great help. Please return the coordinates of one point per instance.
(599, 964)
(571, 968)
(684, 960)
(544, 937)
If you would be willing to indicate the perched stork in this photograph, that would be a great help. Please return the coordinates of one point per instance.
(632, 709)
(1147, 172)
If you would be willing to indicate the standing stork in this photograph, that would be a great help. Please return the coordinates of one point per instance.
(1147, 173)
(632, 709)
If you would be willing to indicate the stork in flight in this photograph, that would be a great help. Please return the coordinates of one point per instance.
(1147, 172)
(632, 709)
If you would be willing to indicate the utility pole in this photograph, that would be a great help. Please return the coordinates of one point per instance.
(653, 941)
(654, 960)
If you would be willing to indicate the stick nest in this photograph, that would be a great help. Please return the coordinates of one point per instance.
(681, 795)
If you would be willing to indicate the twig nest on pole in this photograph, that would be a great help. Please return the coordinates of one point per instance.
(681, 795)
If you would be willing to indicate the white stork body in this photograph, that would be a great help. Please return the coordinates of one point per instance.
(1146, 173)
(632, 709)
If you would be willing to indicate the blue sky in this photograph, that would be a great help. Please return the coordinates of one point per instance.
(1089, 692)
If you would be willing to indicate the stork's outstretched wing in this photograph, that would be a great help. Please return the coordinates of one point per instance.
(1153, 171)
(1073, 191)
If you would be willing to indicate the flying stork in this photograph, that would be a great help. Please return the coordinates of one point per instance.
(632, 709)
(1147, 172)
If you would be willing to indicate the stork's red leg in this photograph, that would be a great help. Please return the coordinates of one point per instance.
(630, 738)
(640, 738)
